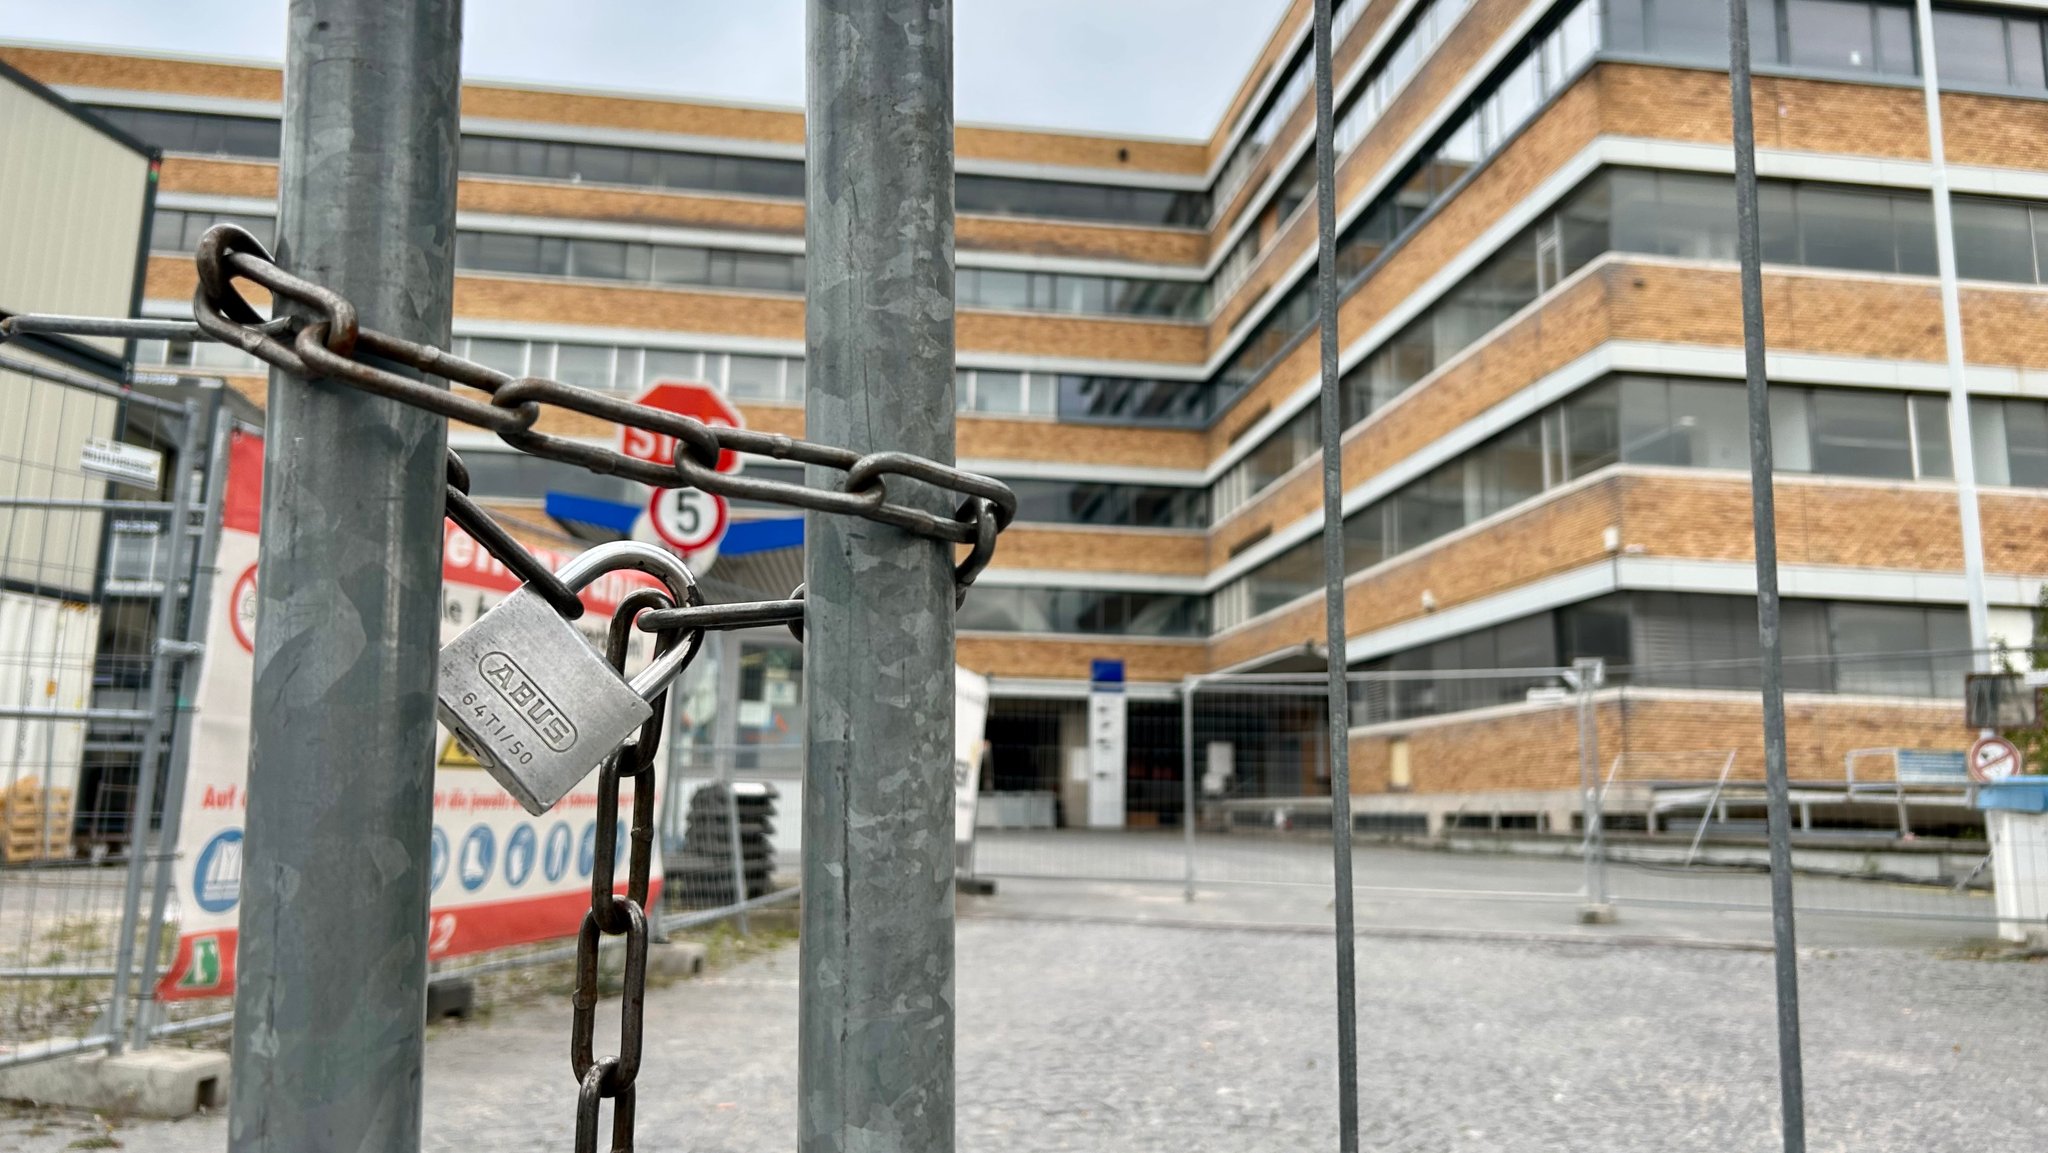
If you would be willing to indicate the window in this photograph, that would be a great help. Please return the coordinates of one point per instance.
(584, 365)
(1930, 438)
(1969, 48)
(1837, 35)
(754, 377)
(1861, 434)
(1994, 241)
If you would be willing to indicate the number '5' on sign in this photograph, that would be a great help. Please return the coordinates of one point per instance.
(688, 519)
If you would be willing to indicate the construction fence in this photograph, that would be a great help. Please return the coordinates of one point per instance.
(1587, 786)
(112, 584)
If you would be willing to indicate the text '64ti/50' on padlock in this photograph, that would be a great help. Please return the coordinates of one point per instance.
(527, 695)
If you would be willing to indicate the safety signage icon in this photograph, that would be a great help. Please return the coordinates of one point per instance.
(1993, 759)
(217, 875)
(479, 848)
(554, 861)
(519, 853)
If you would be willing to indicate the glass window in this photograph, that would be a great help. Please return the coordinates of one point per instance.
(1710, 424)
(1791, 429)
(1861, 434)
(1994, 241)
(1365, 538)
(754, 377)
(1897, 53)
(1646, 432)
(2024, 40)
(1831, 34)
(584, 365)
(1930, 437)
(1625, 25)
(1689, 29)
(668, 364)
(1987, 441)
(1592, 430)
(764, 271)
(1510, 468)
(999, 288)
(1778, 223)
(1969, 48)
(1913, 228)
(600, 259)
(998, 391)
(673, 265)
(507, 356)
(1880, 649)
(2026, 442)
(1846, 229)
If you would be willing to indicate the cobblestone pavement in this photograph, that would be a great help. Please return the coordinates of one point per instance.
(1128, 1037)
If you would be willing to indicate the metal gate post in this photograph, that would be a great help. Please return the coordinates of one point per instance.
(1588, 672)
(330, 997)
(1187, 785)
(165, 653)
(198, 614)
(875, 1024)
(1763, 515)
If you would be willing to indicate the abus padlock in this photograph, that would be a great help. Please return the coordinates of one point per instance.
(533, 701)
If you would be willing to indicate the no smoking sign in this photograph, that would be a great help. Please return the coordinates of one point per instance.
(1993, 759)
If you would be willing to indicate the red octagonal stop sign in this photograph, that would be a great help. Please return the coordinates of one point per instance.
(688, 398)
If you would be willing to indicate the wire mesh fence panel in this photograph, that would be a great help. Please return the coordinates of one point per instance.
(1884, 814)
(731, 811)
(1052, 804)
(86, 547)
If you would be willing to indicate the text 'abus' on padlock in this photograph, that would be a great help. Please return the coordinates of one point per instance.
(536, 704)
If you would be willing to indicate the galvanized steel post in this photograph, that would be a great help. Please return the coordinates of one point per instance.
(1763, 512)
(875, 1026)
(1333, 593)
(1188, 687)
(330, 998)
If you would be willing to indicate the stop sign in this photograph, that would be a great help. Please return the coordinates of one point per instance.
(688, 398)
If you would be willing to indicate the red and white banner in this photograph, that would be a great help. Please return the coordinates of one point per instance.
(498, 877)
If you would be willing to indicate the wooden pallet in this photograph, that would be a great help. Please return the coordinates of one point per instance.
(35, 824)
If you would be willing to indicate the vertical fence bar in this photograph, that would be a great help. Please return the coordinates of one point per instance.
(199, 604)
(1763, 513)
(1333, 593)
(1188, 795)
(330, 997)
(732, 844)
(875, 1018)
(163, 656)
(1589, 672)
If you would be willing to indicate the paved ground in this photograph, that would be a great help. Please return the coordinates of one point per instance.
(1092, 1035)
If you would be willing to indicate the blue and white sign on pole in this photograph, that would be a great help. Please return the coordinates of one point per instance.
(1107, 744)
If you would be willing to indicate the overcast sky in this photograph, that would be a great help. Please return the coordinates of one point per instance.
(1145, 67)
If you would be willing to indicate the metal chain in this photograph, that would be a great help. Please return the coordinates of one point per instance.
(333, 347)
(613, 915)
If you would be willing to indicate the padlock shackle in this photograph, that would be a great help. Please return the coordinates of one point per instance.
(658, 563)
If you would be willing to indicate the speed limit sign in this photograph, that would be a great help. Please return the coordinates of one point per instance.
(688, 519)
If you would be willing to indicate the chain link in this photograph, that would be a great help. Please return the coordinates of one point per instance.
(331, 344)
(611, 914)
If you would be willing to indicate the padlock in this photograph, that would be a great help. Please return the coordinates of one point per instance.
(533, 701)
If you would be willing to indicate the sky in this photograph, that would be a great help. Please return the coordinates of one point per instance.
(1136, 67)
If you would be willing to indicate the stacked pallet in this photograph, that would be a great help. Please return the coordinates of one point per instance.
(700, 875)
(35, 823)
